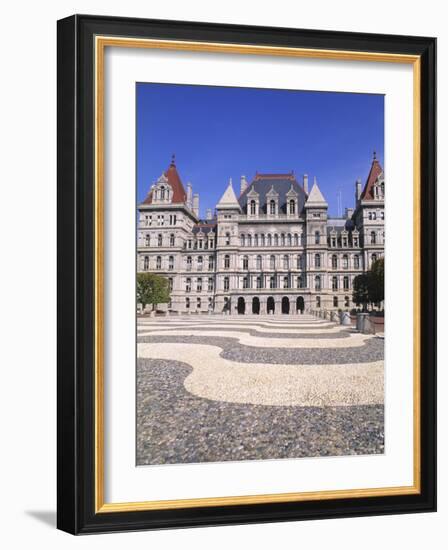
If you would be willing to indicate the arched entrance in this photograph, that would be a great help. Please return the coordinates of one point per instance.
(300, 304)
(270, 306)
(256, 306)
(241, 306)
(285, 305)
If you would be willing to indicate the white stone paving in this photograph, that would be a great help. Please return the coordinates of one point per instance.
(220, 379)
(353, 340)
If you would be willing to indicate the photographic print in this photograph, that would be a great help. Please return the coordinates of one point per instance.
(260, 241)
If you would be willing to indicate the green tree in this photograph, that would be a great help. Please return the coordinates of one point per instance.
(361, 285)
(152, 289)
(376, 282)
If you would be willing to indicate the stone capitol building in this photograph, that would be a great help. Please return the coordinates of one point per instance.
(268, 248)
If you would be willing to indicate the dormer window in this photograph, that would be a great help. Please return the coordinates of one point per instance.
(292, 206)
(253, 208)
(272, 207)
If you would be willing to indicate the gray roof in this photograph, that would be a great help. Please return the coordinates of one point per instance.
(206, 226)
(281, 183)
(339, 224)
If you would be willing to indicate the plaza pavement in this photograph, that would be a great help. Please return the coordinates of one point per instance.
(216, 388)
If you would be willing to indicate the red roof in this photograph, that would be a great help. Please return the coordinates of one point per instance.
(179, 194)
(289, 175)
(375, 172)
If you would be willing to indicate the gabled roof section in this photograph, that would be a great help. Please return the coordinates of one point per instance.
(375, 172)
(229, 200)
(315, 198)
(281, 183)
(179, 194)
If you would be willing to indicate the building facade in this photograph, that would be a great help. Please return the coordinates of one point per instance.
(271, 248)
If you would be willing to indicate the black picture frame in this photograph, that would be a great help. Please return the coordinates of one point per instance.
(76, 254)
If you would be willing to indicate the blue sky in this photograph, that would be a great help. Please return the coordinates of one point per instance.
(217, 133)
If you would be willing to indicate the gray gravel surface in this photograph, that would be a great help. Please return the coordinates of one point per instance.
(174, 426)
(372, 350)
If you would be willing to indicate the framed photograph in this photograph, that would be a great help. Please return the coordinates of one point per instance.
(246, 274)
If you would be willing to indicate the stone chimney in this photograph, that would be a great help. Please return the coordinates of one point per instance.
(189, 195)
(358, 190)
(209, 215)
(243, 185)
(305, 183)
(196, 205)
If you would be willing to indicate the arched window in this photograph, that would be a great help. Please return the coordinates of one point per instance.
(296, 239)
(147, 240)
(159, 239)
(243, 240)
(317, 301)
(272, 262)
(346, 283)
(249, 240)
(373, 237)
(171, 262)
(334, 283)
(286, 282)
(256, 240)
(334, 261)
(226, 283)
(245, 262)
(159, 262)
(200, 262)
(259, 263)
(356, 261)
(317, 237)
(345, 261)
(374, 258)
(335, 301)
(285, 261)
(211, 263)
(162, 193)
(263, 240)
(187, 303)
(316, 260)
(299, 261)
(289, 239)
(146, 263)
(276, 240)
(172, 239)
(347, 301)
(272, 282)
(292, 206)
(317, 282)
(299, 281)
(282, 239)
(269, 240)
(226, 261)
(253, 206)
(272, 207)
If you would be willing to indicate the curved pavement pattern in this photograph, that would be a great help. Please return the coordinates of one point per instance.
(226, 388)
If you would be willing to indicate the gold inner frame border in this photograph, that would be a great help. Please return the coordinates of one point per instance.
(100, 44)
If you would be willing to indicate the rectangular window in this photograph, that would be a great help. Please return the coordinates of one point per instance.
(226, 283)
(210, 284)
(199, 284)
(188, 285)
